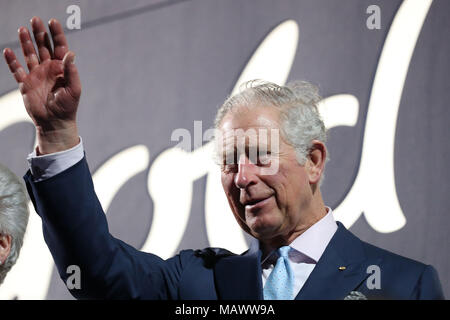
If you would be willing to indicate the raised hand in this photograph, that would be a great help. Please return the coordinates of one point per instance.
(51, 90)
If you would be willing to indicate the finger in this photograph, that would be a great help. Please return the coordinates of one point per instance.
(71, 77)
(14, 65)
(29, 53)
(59, 39)
(42, 39)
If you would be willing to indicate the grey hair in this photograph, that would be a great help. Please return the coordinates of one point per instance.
(13, 215)
(297, 101)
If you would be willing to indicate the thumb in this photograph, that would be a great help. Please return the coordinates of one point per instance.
(73, 84)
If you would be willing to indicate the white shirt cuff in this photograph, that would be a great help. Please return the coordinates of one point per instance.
(49, 165)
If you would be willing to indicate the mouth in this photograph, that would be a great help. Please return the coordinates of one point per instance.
(256, 204)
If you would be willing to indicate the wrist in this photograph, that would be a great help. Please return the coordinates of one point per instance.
(51, 141)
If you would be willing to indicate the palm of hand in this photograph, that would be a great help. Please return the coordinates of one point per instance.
(52, 88)
(45, 94)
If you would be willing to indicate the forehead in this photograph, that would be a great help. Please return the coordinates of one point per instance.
(255, 127)
(253, 117)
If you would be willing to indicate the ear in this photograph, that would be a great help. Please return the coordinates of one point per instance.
(5, 247)
(316, 161)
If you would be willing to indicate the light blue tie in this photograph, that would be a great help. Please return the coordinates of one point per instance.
(280, 283)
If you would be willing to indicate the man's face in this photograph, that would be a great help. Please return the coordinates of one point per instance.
(265, 205)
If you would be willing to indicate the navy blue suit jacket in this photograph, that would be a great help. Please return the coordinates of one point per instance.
(76, 231)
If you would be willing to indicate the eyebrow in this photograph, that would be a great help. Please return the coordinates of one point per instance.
(231, 153)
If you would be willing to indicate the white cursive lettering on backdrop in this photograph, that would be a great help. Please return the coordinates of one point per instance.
(30, 277)
(373, 191)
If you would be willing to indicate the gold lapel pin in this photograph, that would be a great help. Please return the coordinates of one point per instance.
(342, 268)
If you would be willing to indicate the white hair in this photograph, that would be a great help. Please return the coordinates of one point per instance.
(300, 121)
(13, 215)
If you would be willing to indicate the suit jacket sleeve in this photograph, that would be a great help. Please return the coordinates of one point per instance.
(76, 232)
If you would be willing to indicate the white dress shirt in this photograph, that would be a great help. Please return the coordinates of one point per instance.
(48, 165)
(305, 252)
(306, 248)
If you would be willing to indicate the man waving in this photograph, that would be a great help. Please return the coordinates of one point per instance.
(272, 183)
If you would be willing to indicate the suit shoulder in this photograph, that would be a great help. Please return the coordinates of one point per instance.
(406, 278)
(393, 259)
(211, 255)
(206, 252)
(207, 256)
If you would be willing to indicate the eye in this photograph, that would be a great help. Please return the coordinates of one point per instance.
(229, 168)
(264, 159)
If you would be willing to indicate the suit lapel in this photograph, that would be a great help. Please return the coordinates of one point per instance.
(239, 277)
(327, 282)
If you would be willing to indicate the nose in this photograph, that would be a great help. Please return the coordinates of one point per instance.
(246, 174)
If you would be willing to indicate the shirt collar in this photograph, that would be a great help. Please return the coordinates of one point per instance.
(310, 245)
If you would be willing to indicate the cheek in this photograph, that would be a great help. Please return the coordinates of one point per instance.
(278, 183)
(289, 185)
(298, 195)
(227, 183)
(231, 192)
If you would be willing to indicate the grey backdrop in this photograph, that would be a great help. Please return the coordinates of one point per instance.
(149, 67)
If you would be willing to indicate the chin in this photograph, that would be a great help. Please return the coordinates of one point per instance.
(261, 229)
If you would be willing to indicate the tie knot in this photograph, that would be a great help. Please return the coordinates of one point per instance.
(284, 251)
